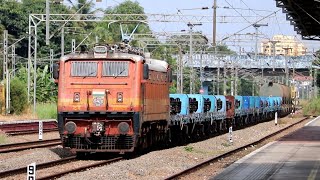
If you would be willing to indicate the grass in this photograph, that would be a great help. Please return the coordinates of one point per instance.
(188, 148)
(47, 111)
(2, 138)
(312, 107)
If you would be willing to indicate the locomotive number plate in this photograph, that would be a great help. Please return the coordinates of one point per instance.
(98, 98)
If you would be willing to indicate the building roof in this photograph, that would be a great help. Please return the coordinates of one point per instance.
(304, 15)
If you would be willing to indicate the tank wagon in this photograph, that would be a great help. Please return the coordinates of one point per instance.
(279, 95)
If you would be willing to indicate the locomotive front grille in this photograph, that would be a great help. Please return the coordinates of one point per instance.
(107, 143)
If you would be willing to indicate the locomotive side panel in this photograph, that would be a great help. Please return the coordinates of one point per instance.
(156, 97)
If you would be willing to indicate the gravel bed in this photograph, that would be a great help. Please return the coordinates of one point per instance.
(23, 158)
(163, 163)
(27, 137)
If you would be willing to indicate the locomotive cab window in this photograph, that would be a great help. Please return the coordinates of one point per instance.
(115, 68)
(84, 69)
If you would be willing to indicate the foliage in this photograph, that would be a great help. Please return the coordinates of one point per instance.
(110, 32)
(14, 17)
(312, 108)
(245, 87)
(47, 110)
(46, 88)
(188, 148)
(19, 96)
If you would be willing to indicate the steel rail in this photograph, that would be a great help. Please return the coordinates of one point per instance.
(215, 159)
(16, 133)
(78, 169)
(28, 145)
(39, 166)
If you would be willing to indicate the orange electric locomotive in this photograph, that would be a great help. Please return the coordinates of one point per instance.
(110, 99)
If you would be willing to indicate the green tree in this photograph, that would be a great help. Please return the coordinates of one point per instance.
(18, 94)
(46, 88)
(110, 32)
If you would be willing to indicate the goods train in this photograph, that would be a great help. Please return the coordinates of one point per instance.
(114, 99)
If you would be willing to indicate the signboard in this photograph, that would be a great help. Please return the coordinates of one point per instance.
(230, 135)
(31, 171)
(40, 130)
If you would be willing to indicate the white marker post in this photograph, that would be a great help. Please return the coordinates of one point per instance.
(230, 135)
(31, 171)
(40, 130)
(276, 118)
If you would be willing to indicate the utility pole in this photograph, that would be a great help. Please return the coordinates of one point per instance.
(5, 54)
(201, 70)
(286, 65)
(47, 22)
(224, 79)
(253, 86)
(232, 79)
(236, 82)
(62, 41)
(5, 69)
(214, 33)
(191, 61)
(191, 25)
(13, 58)
(273, 42)
(51, 63)
(256, 26)
(180, 72)
(315, 83)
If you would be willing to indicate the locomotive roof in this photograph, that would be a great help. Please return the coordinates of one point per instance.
(154, 64)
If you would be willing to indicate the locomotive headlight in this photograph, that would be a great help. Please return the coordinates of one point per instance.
(76, 97)
(70, 127)
(119, 96)
(123, 128)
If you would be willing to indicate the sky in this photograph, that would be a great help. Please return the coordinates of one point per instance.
(232, 16)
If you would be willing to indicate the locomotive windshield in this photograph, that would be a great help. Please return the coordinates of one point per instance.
(84, 69)
(115, 68)
(90, 69)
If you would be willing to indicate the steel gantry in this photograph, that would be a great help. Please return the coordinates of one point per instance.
(178, 39)
(63, 19)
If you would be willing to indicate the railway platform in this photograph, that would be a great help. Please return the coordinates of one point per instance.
(295, 156)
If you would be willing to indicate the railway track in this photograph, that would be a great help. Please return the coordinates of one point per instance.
(16, 133)
(28, 145)
(56, 164)
(80, 168)
(27, 127)
(16, 171)
(201, 165)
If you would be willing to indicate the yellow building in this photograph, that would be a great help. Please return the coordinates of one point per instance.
(282, 44)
